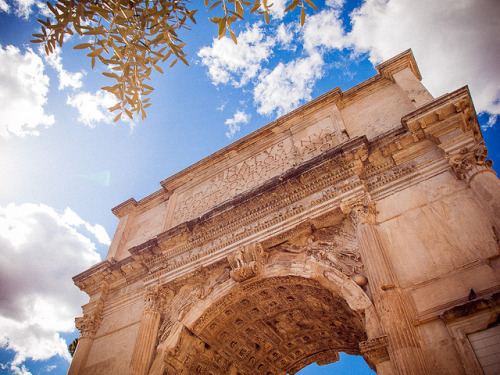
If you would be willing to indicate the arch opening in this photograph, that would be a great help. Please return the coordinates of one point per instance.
(275, 325)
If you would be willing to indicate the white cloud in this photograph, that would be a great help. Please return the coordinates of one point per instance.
(23, 93)
(454, 42)
(23, 8)
(324, 30)
(41, 251)
(287, 85)
(66, 78)
(240, 117)
(278, 9)
(4, 7)
(93, 108)
(237, 63)
(335, 3)
(285, 36)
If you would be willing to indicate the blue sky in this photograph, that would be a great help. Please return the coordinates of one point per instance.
(64, 164)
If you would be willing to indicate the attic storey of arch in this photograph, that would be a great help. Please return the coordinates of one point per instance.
(132, 37)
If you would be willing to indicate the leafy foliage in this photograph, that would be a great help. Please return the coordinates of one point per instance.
(132, 37)
(72, 347)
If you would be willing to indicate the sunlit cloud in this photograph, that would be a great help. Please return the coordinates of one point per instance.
(66, 78)
(41, 250)
(4, 7)
(93, 108)
(287, 85)
(455, 43)
(239, 118)
(23, 93)
(452, 51)
(24, 8)
(237, 63)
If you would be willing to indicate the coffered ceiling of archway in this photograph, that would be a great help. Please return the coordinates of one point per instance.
(277, 326)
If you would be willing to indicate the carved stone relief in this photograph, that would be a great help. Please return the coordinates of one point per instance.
(468, 158)
(246, 261)
(178, 303)
(257, 168)
(336, 246)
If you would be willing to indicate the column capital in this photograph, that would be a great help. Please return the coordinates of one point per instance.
(469, 160)
(375, 350)
(156, 296)
(89, 323)
(360, 210)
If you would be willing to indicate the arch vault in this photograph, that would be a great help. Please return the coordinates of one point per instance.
(365, 222)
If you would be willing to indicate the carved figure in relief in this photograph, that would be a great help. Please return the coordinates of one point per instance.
(246, 261)
(334, 245)
(179, 304)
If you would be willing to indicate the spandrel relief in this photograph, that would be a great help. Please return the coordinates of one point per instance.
(179, 302)
(337, 246)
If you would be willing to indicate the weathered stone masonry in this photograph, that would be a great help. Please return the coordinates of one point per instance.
(364, 222)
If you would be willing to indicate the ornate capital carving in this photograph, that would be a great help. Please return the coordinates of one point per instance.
(156, 296)
(361, 210)
(467, 158)
(246, 261)
(375, 350)
(90, 322)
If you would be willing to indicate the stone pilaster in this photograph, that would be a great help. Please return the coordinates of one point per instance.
(148, 332)
(403, 348)
(88, 326)
(470, 165)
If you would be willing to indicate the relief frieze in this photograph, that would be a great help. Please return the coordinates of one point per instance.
(256, 169)
(290, 198)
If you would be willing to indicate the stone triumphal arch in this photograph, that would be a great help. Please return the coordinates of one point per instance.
(364, 222)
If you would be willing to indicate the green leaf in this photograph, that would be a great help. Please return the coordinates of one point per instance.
(110, 75)
(115, 107)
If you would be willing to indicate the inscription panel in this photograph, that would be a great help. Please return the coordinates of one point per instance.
(256, 169)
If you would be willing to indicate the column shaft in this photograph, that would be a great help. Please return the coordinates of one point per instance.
(145, 343)
(80, 356)
(404, 349)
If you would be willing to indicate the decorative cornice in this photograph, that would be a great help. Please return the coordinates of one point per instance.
(470, 308)
(397, 63)
(124, 208)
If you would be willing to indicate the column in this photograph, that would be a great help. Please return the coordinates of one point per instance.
(88, 326)
(148, 331)
(470, 164)
(403, 348)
